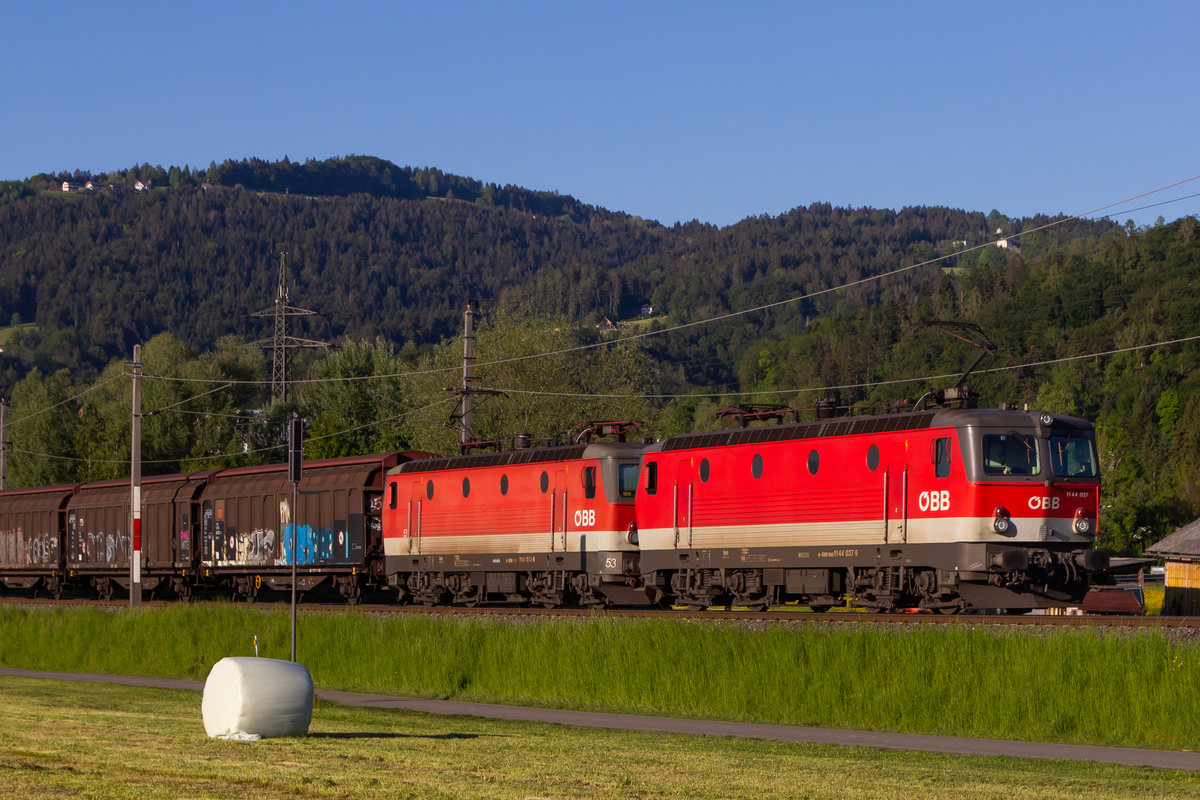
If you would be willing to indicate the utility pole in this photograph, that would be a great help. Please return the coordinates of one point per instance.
(135, 481)
(295, 472)
(466, 432)
(460, 418)
(3, 443)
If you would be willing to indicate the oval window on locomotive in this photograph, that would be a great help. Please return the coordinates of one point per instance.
(1010, 454)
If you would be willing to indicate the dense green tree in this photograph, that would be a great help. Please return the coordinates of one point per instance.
(42, 419)
(356, 404)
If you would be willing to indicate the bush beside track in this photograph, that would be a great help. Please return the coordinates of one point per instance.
(1112, 687)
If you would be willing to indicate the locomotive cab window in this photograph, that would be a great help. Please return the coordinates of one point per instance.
(941, 457)
(1072, 456)
(1010, 454)
(589, 482)
(627, 475)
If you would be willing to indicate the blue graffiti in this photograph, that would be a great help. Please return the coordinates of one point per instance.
(315, 545)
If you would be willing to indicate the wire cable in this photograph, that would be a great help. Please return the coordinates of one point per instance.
(33, 414)
(531, 392)
(185, 400)
(865, 385)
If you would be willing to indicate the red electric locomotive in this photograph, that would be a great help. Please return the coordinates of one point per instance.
(549, 525)
(945, 510)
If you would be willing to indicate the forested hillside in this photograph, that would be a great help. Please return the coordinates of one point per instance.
(388, 256)
(383, 251)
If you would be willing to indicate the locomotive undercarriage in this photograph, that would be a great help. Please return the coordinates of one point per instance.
(550, 589)
(550, 580)
(942, 579)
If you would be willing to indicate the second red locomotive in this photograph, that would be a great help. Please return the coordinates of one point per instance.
(549, 525)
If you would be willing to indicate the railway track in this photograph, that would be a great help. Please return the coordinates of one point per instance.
(782, 615)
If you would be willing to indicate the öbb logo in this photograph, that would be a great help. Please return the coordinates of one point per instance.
(934, 501)
(585, 518)
(1044, 503)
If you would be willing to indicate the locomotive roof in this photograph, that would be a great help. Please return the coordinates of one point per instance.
(532, 455)
(851, 426)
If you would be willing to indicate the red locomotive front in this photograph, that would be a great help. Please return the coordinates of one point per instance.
(552, 525)
(943, 510)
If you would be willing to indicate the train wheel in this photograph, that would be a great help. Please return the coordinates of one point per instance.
(244, 589)
(350, 589)
(471, 598)
(182, 589)
(756, 602)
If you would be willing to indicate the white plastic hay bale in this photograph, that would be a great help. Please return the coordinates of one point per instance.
(252, 698)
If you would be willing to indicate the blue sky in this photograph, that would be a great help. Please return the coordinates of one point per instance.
(666, 110)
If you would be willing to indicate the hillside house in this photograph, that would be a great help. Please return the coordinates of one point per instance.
(70, 186)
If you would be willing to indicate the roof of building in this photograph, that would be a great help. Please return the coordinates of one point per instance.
(1183, 542)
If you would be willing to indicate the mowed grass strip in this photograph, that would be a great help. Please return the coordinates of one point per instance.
(1091, 686)
(68, 740)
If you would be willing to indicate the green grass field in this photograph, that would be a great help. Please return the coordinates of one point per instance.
(1089, 686)
(73, 741)
(8, 331)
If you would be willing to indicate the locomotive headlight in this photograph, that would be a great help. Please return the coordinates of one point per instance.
(1002, 523)
(632, 536)
(1083, 525)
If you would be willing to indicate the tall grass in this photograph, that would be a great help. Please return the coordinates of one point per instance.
(1083, 686)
